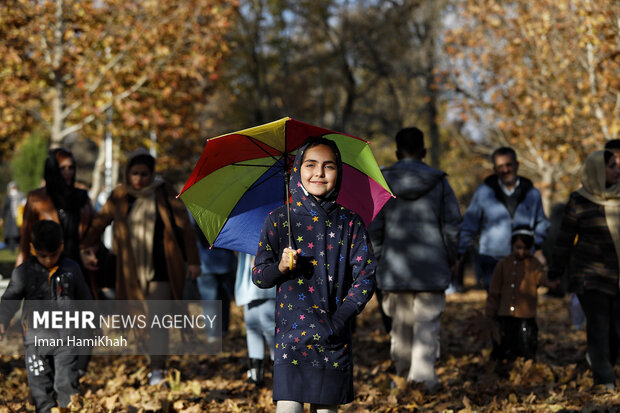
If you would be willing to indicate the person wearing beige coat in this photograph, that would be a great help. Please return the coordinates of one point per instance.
(153, 240)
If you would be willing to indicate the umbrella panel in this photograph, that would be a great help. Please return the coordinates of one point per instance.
(357, 154)
(242, 230)
(358, 199)
(217, 196)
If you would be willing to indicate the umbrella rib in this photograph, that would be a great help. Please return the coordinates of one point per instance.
(255, 142)
(261, 181)
(247, 164)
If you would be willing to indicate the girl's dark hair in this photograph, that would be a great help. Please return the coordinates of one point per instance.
(313, 141)
(607, 155)
(46, 236)
(64, 196)
(523, 233)
(143, 159)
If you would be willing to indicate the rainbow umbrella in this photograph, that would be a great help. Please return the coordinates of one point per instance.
(242, 176)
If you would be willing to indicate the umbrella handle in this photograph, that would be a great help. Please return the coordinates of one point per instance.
(290, 260)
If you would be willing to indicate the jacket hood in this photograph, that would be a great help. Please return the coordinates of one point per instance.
(298, 192)
(411, 178)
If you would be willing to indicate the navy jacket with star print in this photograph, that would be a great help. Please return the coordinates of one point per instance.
(316, 302)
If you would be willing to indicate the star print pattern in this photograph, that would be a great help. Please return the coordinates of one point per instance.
(335, 271)
(302, 320)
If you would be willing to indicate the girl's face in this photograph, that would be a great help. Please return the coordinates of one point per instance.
(611, 172)
(140, 176)
(519, 249)
(89, 258)
(67, 169)
(319, 170)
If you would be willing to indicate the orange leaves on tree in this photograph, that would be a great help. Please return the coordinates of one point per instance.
(545, 71)
(108, 52)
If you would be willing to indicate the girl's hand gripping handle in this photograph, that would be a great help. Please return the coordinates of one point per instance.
(288, 262)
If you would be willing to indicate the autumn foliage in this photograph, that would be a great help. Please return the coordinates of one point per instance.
(133, 67)
(543, 76)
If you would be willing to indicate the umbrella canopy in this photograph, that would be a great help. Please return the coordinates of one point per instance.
(240, 177)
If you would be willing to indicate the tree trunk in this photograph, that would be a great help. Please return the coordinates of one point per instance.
(116, 155)
(432, 33)
(57, 123)
(546, 189)
(433, 127)
(58, 102)
(98, 172)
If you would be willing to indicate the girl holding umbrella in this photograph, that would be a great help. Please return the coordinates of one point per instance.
(324, 275)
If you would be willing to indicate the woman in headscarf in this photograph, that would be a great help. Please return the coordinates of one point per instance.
(153, 240)
(590, 233)
(59, 200)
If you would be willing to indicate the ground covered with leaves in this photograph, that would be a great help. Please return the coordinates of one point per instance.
(559, 381)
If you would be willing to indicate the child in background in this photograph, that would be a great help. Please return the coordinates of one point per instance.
(99, 269)
(323, 280)
(259, 316)
(513, 298)
(45, 275)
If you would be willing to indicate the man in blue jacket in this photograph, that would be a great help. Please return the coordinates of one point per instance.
(504, 201)
(415, 237)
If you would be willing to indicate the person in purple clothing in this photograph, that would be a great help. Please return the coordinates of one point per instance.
(323, 280)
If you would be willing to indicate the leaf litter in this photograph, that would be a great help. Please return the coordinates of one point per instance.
(557, 381)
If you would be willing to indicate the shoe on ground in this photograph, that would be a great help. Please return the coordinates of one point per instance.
(256, 371)
(156, 377)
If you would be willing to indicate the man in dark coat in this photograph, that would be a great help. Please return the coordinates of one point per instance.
(415, 236)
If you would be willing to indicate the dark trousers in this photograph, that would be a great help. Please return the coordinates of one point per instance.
(51, 377)
(486, 266)
(218, 287)
(387, 321)
(11, 242)
(603, 330)
(158, 341)
(518, 338)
